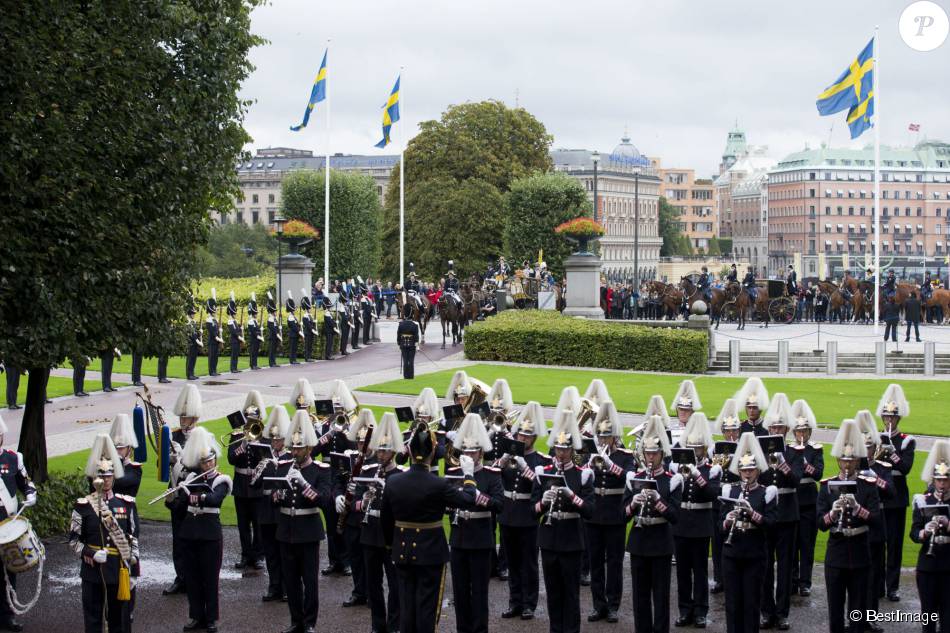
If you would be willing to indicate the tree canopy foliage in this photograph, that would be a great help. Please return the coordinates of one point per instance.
(674, 241)
(237, 250)
(122, 125)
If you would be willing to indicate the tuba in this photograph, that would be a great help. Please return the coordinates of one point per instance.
(477, 395)
(588, 413)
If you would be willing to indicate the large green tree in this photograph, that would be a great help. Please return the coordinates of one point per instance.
(354, 219)
(237, 250)
(536, 204)
(674, 241)
(475, 149)
(121, 124)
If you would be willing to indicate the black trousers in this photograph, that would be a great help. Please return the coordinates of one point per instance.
(692, 576)
(344, 337)
(213, 352)
(895, 520)
(846, 586)
(271, 549)
(294, 343)
(116, 615)
(805, 546)
(408, 362)
(354, 551)
(605, 545)
(876, 575)
(328, 347)
(235, 352)
(249, 531)
(5, 612)
(742, 579)
(13, 383)
(308, 346)
(136, 367)
(420, 597)
(106, 359)
(253, 349)
(934, 591)
(79, 378)
(471, 570)
(777, 589)
(355, 343)
(191, 359)
(336, 546)
(651, 593)
(890, 328)
(717, 539)
(272, 348)
(299, 563)
(916, 325)
(499, 557)
(562, 583)
(202, 561)
(367, 329)
(384, 610)
(162, 367)
(178, 551)
(521, 548)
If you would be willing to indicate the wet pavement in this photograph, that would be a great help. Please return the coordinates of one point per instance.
(59, 608)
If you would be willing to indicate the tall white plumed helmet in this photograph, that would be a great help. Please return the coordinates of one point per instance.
(302, 394)
(201, 446)
(530, 421)
(687, 397)
(278, 422)
(104, 459)
(122, 433)
(472, 434)
(753, 393)
(188, 404)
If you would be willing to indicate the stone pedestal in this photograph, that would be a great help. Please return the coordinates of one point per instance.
(295, 275)
(583, 286)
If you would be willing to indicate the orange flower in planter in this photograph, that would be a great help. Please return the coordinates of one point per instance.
(298, 229)
(580, 227)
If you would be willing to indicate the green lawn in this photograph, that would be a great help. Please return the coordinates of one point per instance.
(176, 365)
(832, 399)
(57, 386)
(151, 487)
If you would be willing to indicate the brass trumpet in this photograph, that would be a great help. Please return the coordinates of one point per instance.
(251, 432)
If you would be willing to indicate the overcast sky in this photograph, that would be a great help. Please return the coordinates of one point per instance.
(676, 73)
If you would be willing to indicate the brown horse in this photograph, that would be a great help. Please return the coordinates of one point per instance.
(452, 318)
(836, 300)
(940, 298)
(670, 297)
(472, 299)
(421, 311)
(860, 307)
(717, 300)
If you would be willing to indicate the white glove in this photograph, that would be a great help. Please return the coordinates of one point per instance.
(30, 500)
(100, 556)
(468, 465)
(297, 476)
(567, 492)
(522, 464)
(732, 516)
(549, 496)
(340, 503)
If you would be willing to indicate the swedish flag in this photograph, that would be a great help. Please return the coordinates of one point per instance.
(390, 114)
(318, 94)
(853, 87)
(859, 117)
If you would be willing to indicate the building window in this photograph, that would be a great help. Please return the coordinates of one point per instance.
(255, 217)
(920, 212)
(254, 199)
(239, 217)
(270, 198)
(224, 217)
(270, 217)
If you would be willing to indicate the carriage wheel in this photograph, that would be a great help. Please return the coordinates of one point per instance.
(782, 310)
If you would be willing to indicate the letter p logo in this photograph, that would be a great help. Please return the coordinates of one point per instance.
(924, 26)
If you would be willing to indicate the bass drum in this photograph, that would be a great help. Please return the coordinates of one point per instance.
(20, 547)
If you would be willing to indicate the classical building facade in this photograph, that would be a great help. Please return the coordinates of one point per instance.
(735, 149)
(260, 179)
(821, 203)
(750, 221)
(624, 177)
(695, 201)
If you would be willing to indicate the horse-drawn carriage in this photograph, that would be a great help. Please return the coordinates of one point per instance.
(771, 303)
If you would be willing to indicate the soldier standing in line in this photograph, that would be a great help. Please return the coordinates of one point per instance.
(247, 497)
(308, 325)
(330, 327)
(812, 460)
(79, 364)
(214, 334)
(930, 530)
(194, 343)
(727, 425)
(755, 398)
(106, 358)
(273, 332)
(407, 335)
(235, 335)
(369, 313)
(346, 322)
(254, 335)
(356, 302)
(13, 383)
(293, 327)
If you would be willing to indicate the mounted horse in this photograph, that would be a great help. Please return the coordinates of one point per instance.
(836, 298)
(452, 317)
(421, 310)
(860, 306)
(692, 294)
(670, 297)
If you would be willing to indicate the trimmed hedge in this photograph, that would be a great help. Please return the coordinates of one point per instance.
(548, 338)
(55, 500)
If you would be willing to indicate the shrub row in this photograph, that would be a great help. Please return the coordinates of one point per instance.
(54, 503)
(549, 338)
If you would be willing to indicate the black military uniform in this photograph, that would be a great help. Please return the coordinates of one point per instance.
(812, 460)
(744, 552)
(79, 375)
(213, 329)
(235, 336)
(308, 326)
(329, 328)
(780, 539)
(254, 336)
(650, 545)
(201, 543)
(13, 383)
(895, 508)
(334, 441)
(293, 329)
(356, 301)
(692, 533)
(131, 480)
(754, 426)
(178, 511)
(411, 515)
(561, 539)
(194, 345)
(472, 539)
(268, 516)
(14, 478)
(352, 525)
(377, 559)
(848, 553)
(273, 335)
(299, 533)
(704, 283)
(138, 357)
(933, 559)
(407, 335)
(106, 357)
(88, 535)
(368, 312)
(733, 275)
(346, 321)
(606, 529)
(247, 498)
(748, 282)
(791, 282)
(728, 477)
(878, 534)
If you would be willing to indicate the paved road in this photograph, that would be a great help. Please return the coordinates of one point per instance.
(804, 337)
(59, 608)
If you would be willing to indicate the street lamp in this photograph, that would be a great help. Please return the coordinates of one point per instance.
(636, 228)
(279, 221)
(595, 158)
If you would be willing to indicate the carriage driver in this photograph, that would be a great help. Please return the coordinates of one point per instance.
(748, 282)
(733, 275)
(704, 284)
(13, 477)
(450, 287)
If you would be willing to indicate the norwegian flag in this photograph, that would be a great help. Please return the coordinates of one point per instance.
(914, 127)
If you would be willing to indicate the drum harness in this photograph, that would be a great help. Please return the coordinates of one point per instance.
(17, 607)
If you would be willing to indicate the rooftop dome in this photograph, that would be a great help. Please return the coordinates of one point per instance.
(626, 149)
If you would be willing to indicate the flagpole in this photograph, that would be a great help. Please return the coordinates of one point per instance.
(877, 179)
(402, 185)
(326, 201)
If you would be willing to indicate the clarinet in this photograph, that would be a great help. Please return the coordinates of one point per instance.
(645, 506)
(740, 514)
(557, 501)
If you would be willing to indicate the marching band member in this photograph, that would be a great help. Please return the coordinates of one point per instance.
(411, 515)
(472, 535)
(743, 522)
(247, 497)
(104, 530)
(299, 529)
(302, 396)
(519, 523)
(650, 543)
(385, 443)
(812, 459)
(878, 529)
(694, 527)
(755, 398)
(846, 516)
(785, 473)
(426, 409)
(657, 407)
(14, 478)
(561, 507)
(188, 408)
(933, 560)
(727, 425)
(356, 436)
(268, 515)
(892, 407)
(596, 392)
(686, 401)
(124, 440)
(333, 439)
(607, 524)
(200, 530)
(502, 403)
